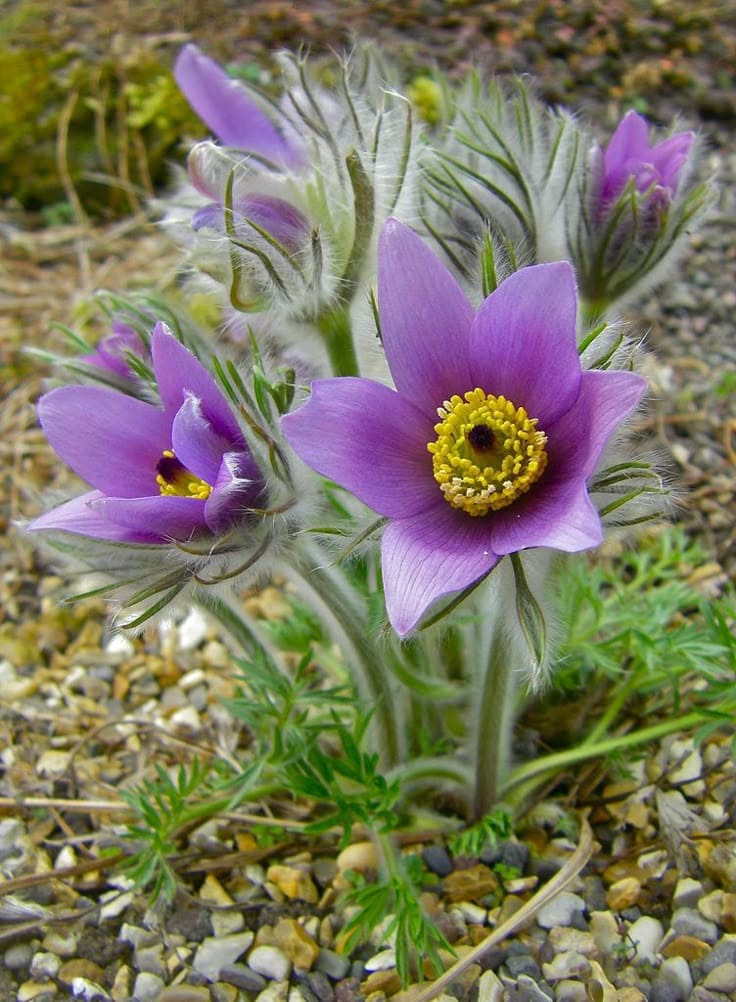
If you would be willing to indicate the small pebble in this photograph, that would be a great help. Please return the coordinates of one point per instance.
(147, 987)
(646, 935)
(689, 922)
(722, 979)
(214, 954)
(724, 952)
(243, 977)
(270, 961)
(437, 860)
(334, 965)
(561, 910)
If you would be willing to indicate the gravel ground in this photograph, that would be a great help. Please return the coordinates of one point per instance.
(653, 916)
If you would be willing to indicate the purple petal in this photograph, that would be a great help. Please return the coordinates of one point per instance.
(558, 515)
(557, 512)
(577, 440)
(170, 517)
(226, 109)
(210, 217)
(111, 350)
(280, 219)
(425, 319)
(179, 375)
(370, 440)
(523, 343)
(237, 488)
(112, 441)
(80, 517)
(670, 156)
(630, 141)
(429, 556)
(195, 443)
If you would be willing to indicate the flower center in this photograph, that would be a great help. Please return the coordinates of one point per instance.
(175, 480)
(487, 453)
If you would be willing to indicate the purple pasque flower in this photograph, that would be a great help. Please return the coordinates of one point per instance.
(521, 426)
(652, 167)
(225, 108)
(111, 350)
(176, 471)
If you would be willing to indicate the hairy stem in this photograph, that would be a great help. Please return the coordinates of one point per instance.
(337, 331)
(493, 723)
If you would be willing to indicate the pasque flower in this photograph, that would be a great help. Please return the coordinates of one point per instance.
(654, 168)
(111, 351)
(486, 444)
(175, 471)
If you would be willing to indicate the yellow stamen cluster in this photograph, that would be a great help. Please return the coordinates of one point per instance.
(487, 453)
(175, 480)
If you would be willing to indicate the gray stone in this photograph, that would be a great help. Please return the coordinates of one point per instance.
(646, 934)
(18, 956)
(243, 977)
(44, 966)
(687, 893)
(561, 910)
(147, 987)
(334, 965)
(527, 990)
(689, 922)
(321, 986)
(438, 860)
(214, 954)
(89, 991)
(150, 958)
(722, 953)
(522, 963)
(569, 964)
(271, 962)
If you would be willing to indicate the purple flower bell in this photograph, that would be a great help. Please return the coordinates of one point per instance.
(178, 471)
(486, 445)
(654, 168)
(112, 349)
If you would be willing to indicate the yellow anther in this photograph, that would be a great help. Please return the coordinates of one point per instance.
(487, 452)
(175, 480)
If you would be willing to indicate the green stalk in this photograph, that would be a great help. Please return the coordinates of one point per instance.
(327, 592)
(493, 724)
(337, 332)
(524, 778)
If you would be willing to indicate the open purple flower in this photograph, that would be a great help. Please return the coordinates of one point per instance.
(521, 427)
(630, 155)
(160, 473)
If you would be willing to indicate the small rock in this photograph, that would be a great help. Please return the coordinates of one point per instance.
(563, 938)
(120, 991)
(293, 882)
(722, 979)
(214, 954)
(383, 961)
(561, 910)
(62, 943)
(471, 884)
(44, 966)
(334, 965)
(728, 911)
(80, 968)
(527, 990)
(571, 991)
(18, 956)
(277, 991)
(243, 977)
(567, 965)
(623, 894)
(522, 963)
(320, 986)
(301, 948)
(490, 989)
(36, 991)
(359, 856)
(271, 962)
(646, 935)
(689, 922)
(147, 987)
(689, 947)
(724, 952)
(387, 982)
(185, 993)
(150, 958)
(670, 985)
(437, 860)
(687, 893)
(710, 905)
(605, 931)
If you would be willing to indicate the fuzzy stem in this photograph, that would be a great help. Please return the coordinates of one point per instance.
(337, 332)
(519, 785)
(328, 594)
(493, 723)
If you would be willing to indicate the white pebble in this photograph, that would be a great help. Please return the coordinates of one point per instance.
(646, 934)
(271, 962)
